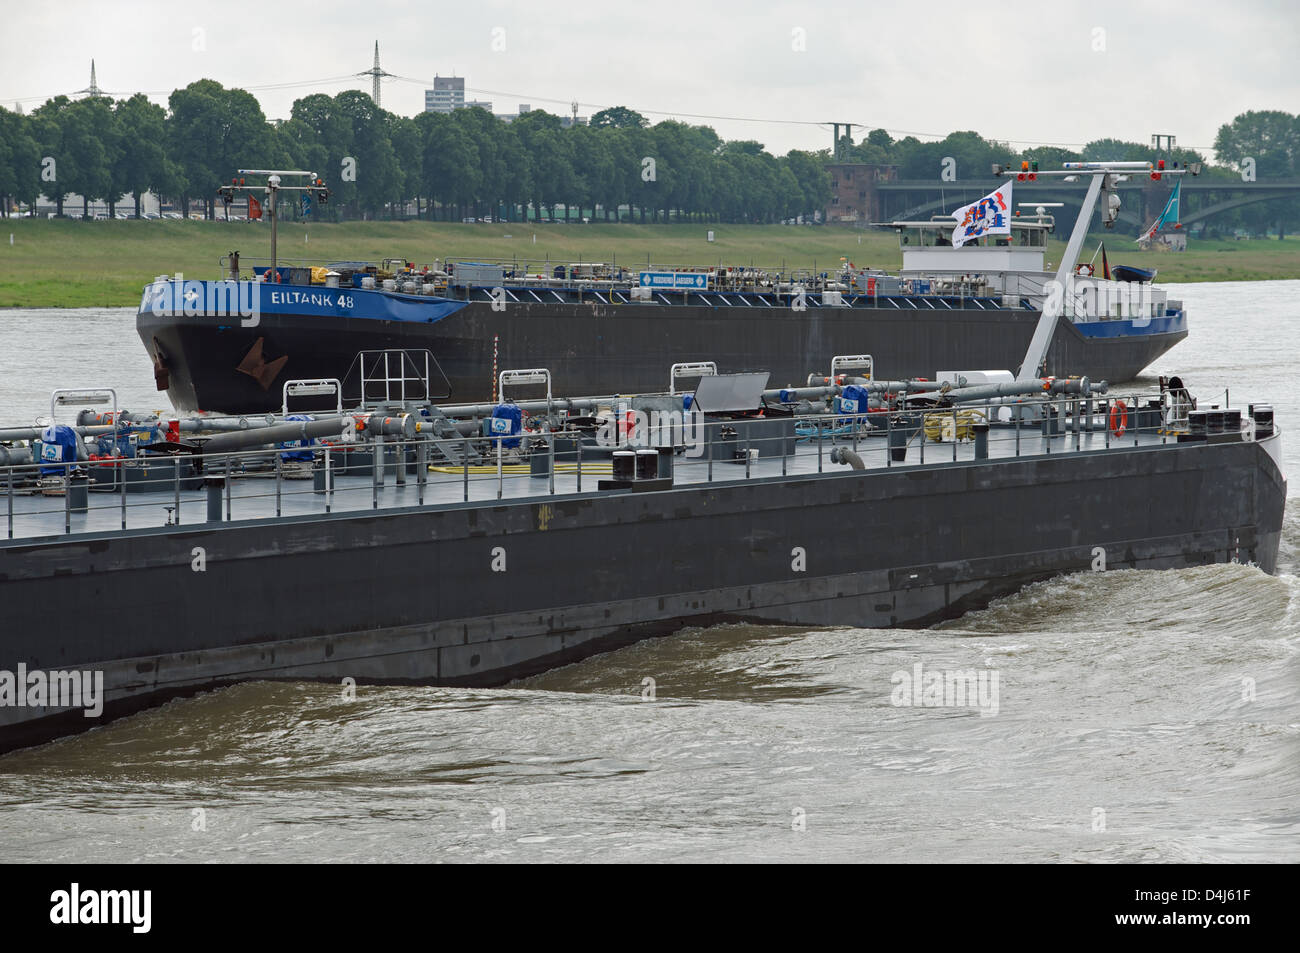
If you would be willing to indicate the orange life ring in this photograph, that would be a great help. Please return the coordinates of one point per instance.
(1084, 270)
(1119, 418)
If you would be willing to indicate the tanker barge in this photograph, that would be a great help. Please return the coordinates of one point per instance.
(423, 551)
(410, 541)
(602, 327)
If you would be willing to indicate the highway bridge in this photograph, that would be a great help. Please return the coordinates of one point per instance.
(1141, 198)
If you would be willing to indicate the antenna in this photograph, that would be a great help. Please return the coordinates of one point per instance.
(375, 72)
(93, 89)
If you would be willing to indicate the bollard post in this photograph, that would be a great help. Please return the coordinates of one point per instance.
(216, 487)
(421, 468)
(709, 444)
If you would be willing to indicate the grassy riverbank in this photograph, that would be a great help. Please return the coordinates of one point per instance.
(88, 264)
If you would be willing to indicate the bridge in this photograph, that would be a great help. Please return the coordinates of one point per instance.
(1141, 198)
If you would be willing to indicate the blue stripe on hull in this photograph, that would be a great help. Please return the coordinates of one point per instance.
(276, 299)
(1133, 327)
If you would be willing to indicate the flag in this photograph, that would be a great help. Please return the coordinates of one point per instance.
(991, 215)
(1105, 265)
(1168, 217)
(306, 205)
(254, 208)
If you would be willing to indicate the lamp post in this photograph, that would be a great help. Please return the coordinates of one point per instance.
(315, 187)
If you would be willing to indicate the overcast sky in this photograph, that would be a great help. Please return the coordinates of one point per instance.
(1054, 72)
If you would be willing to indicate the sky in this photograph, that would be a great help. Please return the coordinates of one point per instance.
(1051, 73)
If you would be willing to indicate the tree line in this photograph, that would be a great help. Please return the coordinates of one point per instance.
(468, 163)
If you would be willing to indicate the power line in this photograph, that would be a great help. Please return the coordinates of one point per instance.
(167, 92)
(524, 97)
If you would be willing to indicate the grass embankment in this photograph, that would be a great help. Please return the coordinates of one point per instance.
(88, 264)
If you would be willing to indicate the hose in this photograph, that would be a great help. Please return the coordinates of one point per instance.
(937, 423)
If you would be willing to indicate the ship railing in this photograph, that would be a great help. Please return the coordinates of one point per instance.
(376, 473)
(394, 376)
(779, 280)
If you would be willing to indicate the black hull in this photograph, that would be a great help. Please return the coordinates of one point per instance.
(411, 596)
(594, 349)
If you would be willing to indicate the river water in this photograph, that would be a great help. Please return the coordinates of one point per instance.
(1140, 716)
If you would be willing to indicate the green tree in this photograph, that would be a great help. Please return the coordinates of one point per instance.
(619, 117)
(211, 133)
(541, 135)
(593, 165)
(1272, 139)
(378, 175)
(331, 145)
(811, 178)
(20, 158)
(141, 164)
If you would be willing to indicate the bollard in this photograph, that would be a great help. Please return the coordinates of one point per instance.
(78, 493)
(539, 464)
(215, 487)
(903, 427)
(319, 477)
(421, 468)
(665, 462)
(981, 441)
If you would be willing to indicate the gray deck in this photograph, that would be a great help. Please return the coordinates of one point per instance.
(254, 496)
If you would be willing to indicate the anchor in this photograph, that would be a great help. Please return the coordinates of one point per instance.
(256, 366)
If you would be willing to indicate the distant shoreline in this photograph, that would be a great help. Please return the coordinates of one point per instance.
(77, 264)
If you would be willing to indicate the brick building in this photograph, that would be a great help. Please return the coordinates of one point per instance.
(854, 197)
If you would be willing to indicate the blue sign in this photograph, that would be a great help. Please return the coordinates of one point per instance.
(306, 205)
(675, 279)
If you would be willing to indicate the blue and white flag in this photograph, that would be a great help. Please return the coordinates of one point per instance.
(991, 215)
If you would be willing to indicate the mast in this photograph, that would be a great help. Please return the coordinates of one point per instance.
(273, 188)
(1105, 176)
(375, 73)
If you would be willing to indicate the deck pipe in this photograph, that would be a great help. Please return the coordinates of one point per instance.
(1016, 388)
(262, 436)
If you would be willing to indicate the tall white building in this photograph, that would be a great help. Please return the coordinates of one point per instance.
(448, 93)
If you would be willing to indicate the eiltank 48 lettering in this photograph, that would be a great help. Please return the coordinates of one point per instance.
(321, 298)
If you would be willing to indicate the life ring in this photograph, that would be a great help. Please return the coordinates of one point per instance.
(1084, 269)
(1118, 418)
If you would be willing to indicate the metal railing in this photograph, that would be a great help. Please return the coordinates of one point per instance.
(183, 489)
